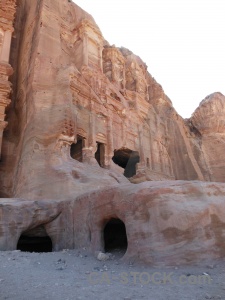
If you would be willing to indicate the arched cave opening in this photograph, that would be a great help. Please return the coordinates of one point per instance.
(126, 159)
(76, 149)
(115, 236)
(100, 154)
(34, 244)
(35, 240)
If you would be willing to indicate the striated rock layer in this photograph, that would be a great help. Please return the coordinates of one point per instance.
(7, 11)
(86, 121)
(77, 98)
(209, 120)
(166, 222)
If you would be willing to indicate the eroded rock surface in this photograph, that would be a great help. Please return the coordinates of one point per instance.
(208, 119)
(166, 222)
(77, 98)
(86, 121)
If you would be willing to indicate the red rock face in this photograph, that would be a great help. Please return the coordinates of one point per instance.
(209, 120)
(166, 222)
(83, 114)
(7, 10)
(72, 90)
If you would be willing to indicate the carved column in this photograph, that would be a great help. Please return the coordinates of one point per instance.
(92, 142)
(85, 49)
(141, 165)
(110, 145)
(91, 147)
(7, 11)
(100, 49)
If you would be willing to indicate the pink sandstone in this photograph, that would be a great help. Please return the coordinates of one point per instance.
(88, 126)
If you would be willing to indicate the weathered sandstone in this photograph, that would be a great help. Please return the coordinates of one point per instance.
(209, 121)
(91, 136)
(72, 90)
(166, 222)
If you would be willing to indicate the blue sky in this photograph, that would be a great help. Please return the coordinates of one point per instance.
(182, 42)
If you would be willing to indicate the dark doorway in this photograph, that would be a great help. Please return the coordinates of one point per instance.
(115, 236)
(76, 149)
(100, 154)
(34, 244)
(126, 159)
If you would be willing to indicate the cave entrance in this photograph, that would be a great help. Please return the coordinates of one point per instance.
(76, 149)
(100, 154)
(126, 159)
(115, 236)
(34, 244)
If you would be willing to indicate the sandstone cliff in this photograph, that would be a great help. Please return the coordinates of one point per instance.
(168, 223)
(209, 121)
(86, 121)
(72, 89)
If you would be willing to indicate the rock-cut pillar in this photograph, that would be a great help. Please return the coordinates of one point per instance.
(110, 146)
(7, 11)
(89, 151)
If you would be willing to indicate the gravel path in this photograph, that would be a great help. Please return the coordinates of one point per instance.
(69, 275)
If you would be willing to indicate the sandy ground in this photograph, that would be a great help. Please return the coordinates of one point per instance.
(77, 274)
